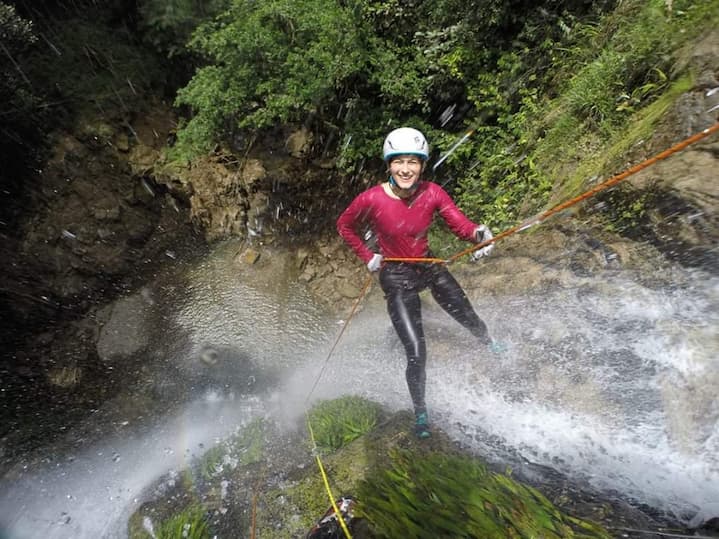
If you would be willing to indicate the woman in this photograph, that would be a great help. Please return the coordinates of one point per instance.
(400, 212)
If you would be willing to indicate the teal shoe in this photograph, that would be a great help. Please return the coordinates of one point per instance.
(497, 347)
(421, 426)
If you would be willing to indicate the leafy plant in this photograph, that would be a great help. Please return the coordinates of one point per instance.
(211, 461)
(438, 495)
(21, 128)
(170, 23)
(337, 422)
(189, 524)
(269, 62)
(249, 444)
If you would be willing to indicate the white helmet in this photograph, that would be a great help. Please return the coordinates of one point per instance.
(404, 141)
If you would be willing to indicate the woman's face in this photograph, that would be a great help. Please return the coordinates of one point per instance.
(406, 170)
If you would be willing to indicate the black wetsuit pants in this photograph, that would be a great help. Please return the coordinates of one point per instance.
(402, 283)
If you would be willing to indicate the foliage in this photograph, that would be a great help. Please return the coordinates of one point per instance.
(269, 62)
(438, 495)
(93, 67)
(168, 24)
(626, 207)
(400, 62)
(249, 444)
(335, 423)
(21, 114)
(614, 68)
(189, 524)
(212, 460)
(597, 158)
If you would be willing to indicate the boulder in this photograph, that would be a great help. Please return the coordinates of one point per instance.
(125, 332)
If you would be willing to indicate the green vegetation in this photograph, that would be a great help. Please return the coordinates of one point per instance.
(544, 86)
(621, 68)
(335, 423)
(21, 114)
(550, 89)
(169, 24)
(438, 495)
(189, 524)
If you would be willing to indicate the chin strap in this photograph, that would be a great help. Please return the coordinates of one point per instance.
(402, 193)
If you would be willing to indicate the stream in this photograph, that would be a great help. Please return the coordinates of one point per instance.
(606, 379)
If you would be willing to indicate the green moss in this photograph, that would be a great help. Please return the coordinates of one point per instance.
(94, 65)
(249, 445)
(337, 422)
(211, 461)
(189, 524)
(439, 495)
(295, 508)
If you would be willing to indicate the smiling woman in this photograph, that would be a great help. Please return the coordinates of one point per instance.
(400, 213)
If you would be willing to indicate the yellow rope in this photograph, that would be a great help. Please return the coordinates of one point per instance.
(326, 482)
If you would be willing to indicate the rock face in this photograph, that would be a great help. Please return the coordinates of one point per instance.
(96, 215)
(682, 218)
(270, 193)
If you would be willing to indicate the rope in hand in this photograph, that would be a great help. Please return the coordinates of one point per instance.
(537, 219)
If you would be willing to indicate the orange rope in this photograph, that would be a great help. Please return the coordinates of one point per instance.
(424, 260)
(564, 205)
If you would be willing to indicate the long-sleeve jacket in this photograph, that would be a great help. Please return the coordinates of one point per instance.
(401, 225)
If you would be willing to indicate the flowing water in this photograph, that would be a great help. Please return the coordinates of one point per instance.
(607, 380)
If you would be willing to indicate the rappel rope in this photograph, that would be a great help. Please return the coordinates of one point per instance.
(537, 219)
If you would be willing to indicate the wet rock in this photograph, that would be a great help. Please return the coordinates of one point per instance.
(348, 289)
(122, 142)
(302, 256)
(125, 332)
(67, 145)
(65, 377)
(91, 129)
(252, 172)
(218, 202)
(142, 159)
(248, 257)
(299, 143)
(106, 209)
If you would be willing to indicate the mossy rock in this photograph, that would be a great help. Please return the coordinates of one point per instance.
(294, 508)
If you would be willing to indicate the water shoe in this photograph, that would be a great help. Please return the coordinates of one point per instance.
(421, 426)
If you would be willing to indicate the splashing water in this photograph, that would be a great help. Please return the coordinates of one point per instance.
(609, 382)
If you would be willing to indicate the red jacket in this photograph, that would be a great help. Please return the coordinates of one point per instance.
(401, 225)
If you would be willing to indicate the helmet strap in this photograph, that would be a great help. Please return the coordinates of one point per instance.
(402, 193)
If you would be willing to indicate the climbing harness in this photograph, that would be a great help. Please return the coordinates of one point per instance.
(513, 230)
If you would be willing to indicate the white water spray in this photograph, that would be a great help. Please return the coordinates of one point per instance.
(605, 380)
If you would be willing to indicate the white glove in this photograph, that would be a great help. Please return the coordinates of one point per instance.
(483, 234)
(375, 262)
